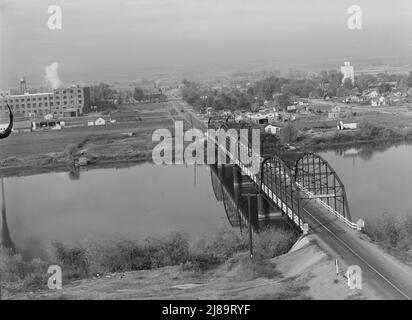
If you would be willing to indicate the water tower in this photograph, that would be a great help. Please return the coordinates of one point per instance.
(23, 85)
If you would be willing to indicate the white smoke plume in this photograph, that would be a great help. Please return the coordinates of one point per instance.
(52, 77)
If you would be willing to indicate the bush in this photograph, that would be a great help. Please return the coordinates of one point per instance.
(209, 253)
(73, 261)
(392, 232)
(371, 131)
(70, 149)
(177, 247)
(18, 274)
(201, 262)
(272, 242)
(224, 244)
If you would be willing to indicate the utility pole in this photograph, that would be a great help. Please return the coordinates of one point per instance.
(249, 210)
(194, 166)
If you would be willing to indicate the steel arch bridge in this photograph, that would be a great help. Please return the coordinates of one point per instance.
(316, 177)
(286, 179)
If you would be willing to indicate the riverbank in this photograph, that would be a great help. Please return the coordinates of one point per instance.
(366, 134)
(311, 137)
(222, 270)
(29, 153)
(95, 257)
(98, 150)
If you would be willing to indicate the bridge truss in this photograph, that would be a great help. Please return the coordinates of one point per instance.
(277, 184)
(284, 176)
(315, 176)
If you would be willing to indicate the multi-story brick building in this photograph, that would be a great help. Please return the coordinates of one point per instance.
(62, 102)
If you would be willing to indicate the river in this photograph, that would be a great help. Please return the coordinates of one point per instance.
(132, 203)
(378, 179)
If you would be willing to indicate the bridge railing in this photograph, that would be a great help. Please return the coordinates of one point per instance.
(331, 210)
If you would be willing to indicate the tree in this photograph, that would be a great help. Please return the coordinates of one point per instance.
(410, 79)
(289, 134)
(138, 94)
(323, 76)
(347, 83)
(364, 80)
(403, 82)
(282, 100)
(385, 87)
(332, 89)
(335, 77)
(102, 91)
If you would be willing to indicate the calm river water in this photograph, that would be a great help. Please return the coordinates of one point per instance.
(135, 202)
(377, 179)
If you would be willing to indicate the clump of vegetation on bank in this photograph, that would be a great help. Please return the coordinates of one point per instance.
(393, 233)
(96, 257)
(366, 132)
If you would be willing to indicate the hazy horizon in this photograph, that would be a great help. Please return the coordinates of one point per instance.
(127, 36)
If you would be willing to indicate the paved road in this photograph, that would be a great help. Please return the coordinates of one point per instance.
(382, 273)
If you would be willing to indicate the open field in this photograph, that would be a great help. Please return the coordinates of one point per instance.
(30, 143)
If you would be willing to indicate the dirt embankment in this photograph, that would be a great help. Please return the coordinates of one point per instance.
(305, 272)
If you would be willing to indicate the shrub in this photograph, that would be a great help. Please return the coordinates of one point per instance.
(18, 274)
(392, 232)
(70, 149)
(177, 247)
(73, 261)
(201, 262)
(272, 242)
(224, 244)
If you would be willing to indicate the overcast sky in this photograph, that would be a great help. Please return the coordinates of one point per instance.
(120, 34)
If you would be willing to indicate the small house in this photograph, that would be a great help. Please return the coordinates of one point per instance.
(347, 126)
(272, 129)
(291, 108)
(333, 115)
(99, 122)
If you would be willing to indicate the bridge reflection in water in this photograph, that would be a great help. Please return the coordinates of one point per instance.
(229, 187)
(6, 240)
